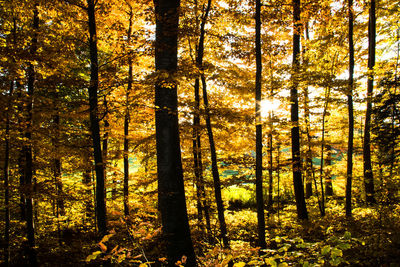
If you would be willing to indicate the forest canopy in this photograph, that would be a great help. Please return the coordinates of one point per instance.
(199, 133)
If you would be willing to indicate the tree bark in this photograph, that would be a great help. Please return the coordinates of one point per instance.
(105, 145)
(94, 121)
(57, 166)
(203, 205)
(31, 73)
(328, 176)
(6, 180)
(126, 120)
(368, 174)
(349, 177)
(309, 164)
(295, 133)
(171, 193)
(259, 167)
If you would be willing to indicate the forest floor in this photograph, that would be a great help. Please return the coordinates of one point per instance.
(370, 238)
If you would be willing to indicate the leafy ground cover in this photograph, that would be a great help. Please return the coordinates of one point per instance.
(370, 238)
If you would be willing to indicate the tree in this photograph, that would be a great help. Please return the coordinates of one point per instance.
(349, 177)
(126, 119)
(197, 155)
(171, 193)
(28, 174)
(368, 174)
(94, 120)
(259, 167)
(296, 163)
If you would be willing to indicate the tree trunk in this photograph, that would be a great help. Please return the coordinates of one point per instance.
(6, 180)
(105, 145)
(328, 175)
(349, 177)
(94, 121)
(57, 166)
(309, 164)
(126, 121)
(270, 168)
(259, 167)
(368, 174)
(203, 205)
(31, 73)
(86, 179)
(21, 153)
(321, 170)
(295, 133)
(171, 193)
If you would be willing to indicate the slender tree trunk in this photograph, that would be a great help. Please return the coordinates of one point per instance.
(94, 121)
(295, 133)
(171, 193)
(214, 168)
(349, 177)
(126, 121)
(31, 73)
(57, 166)
(309, 164)
(270, 166)
(270, 145)
(278, 176)
(321, 170)
(259, 167)
(6, 180)
(21, 153)
(105, 145)
(328, 175)
(214, 164)
(87, 180)
(197, 155)
(368, 174)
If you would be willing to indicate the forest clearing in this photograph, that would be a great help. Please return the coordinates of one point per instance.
(200, 133)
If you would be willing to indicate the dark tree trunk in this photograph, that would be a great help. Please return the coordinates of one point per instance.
(202, 205)
(297, 180)
(87, 180)
(31, 73)
(368, 174)
(349, 177)
(214, 168)
(57, 166)
(6, 180)
(126, 121)
(270, 202)
(259, 167)
(321, 170)
(270, 168)
(171, 193)
(105, 145)
(328, 175)
(21, 153)
(94, 121)
(309, 164)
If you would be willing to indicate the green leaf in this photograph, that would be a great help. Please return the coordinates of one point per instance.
(325, 250)
(336, 261)
(271, 261)
(335, 252)
(347, 235)
(343, 246)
